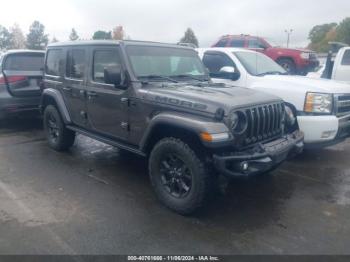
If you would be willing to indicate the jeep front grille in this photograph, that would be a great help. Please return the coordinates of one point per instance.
(342, 104)
(264, 122)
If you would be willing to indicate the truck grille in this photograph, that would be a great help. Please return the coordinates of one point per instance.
(342, 104)
(264, 122)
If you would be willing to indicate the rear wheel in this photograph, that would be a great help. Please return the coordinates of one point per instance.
(178, 176)
(288, 65)
(58, 136)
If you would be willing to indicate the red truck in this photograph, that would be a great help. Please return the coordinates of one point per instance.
(295, 61)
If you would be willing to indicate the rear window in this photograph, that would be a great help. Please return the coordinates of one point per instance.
(222, 43)
(53, 62)
(346, 58)
(24, 62)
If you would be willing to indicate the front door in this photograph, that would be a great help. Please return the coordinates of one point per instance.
(74, 86)
(107, 104)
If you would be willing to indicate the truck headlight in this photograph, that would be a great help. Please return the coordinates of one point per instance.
(305, 55)
(318, 103)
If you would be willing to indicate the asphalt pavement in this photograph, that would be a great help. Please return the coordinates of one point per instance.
(94, 199)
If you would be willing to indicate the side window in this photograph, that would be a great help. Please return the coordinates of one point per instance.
(255, 43)
(214, 62)
(222, 43)
(53, 62)
(102, 60)
(346, 58)
(236, 42)
(76, 62)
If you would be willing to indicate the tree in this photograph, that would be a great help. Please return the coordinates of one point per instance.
(17, 39)
(73, 35)
(37, 39)
(54, 40)
(118, 33)
(101, 35)
(343, 31)
(320, 35)
(189, 37)
(5, 38)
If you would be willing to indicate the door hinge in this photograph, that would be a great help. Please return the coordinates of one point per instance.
(83, 114)
(124, 125)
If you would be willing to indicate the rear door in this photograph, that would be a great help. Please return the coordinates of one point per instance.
(23, 73)
(74, 84)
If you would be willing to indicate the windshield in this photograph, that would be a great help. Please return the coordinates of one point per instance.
(258, 64)
(166, 62)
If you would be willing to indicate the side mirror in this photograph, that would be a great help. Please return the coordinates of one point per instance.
(229, 72)
(113, 75)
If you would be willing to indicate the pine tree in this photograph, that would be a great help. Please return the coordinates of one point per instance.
(37, 39)
(5, 38)
(189, 37)
(17, 39)
(73, 35)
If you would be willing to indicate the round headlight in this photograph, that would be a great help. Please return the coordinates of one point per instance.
(238, 122)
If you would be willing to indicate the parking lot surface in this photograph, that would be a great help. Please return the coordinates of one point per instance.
(95, 200)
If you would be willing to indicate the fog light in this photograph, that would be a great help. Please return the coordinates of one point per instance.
(244, 166)
(327, 134)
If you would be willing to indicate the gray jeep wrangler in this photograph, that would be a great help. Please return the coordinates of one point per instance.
(157, 100)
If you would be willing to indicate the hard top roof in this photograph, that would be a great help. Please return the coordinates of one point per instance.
(115, 42)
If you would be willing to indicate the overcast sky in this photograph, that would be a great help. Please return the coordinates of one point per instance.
(166, 20)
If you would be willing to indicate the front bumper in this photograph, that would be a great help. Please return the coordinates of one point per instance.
(323, 131)
(260, 159)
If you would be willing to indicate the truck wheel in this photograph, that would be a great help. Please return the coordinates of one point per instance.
(59, 137)
(178, 176)
(288, 65)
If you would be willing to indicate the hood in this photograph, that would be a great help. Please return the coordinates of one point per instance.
(307, 84)
(207, 98)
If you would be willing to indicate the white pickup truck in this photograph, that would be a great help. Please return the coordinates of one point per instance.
(322, 107)
(339, 69)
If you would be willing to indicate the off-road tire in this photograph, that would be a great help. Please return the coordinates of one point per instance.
(63, 138)
(288, 65)
(201, 182)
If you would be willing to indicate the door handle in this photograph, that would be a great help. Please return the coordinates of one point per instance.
(67, 88)
(124, 100)
(91, 94)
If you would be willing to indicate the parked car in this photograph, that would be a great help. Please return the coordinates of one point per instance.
(157, 100)
(337, 68)
(20, 78)
(294, 61)
(322, 107)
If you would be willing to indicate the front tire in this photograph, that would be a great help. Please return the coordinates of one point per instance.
(58, 136)
(178, 176)
(288, 65)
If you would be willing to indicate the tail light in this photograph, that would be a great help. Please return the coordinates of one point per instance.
(12, 79)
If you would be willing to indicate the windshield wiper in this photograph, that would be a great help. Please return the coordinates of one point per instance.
(159, 77)
(271, 73)
(192, 77)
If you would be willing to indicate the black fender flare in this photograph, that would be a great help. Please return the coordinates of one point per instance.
(50, 93)
(187, 122)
